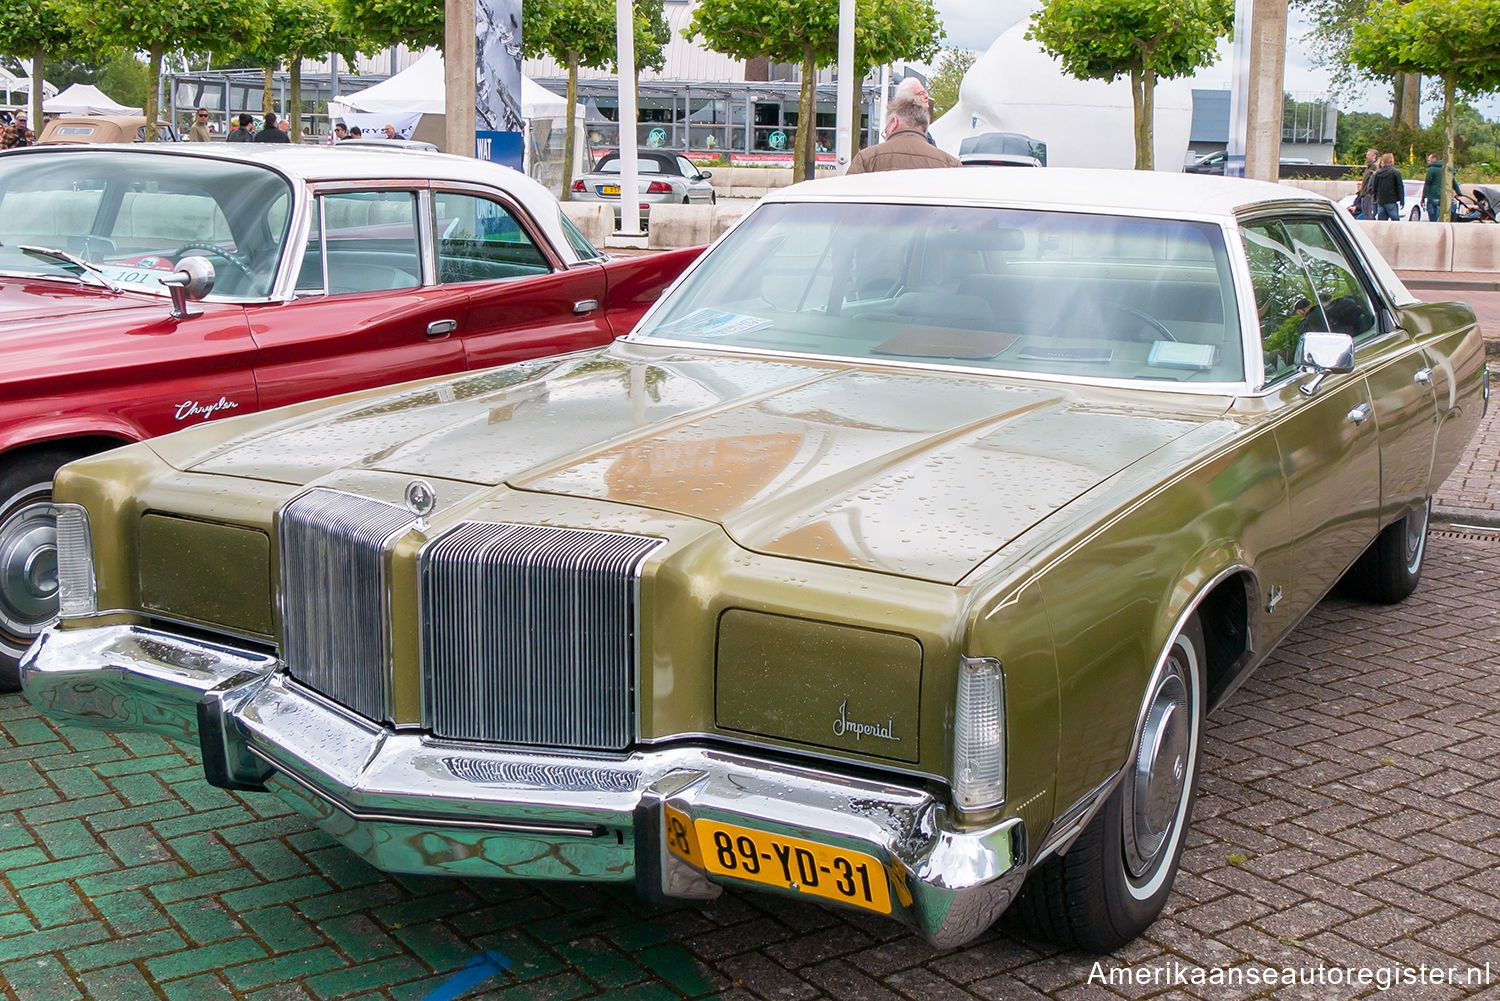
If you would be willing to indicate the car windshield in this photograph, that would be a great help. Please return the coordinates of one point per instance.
(1060, 293)
(134, 216)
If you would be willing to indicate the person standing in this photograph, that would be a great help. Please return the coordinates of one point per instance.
(1366, 198)
(911, 87)
(1432, 187)
(269, 133)
(906, 146)
(340, 132)
(199, 132)
(242, 134)
(1388, 188)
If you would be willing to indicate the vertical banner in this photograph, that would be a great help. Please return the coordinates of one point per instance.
(498, 121)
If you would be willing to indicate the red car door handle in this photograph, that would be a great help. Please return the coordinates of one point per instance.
(585, 305)
(437, 328)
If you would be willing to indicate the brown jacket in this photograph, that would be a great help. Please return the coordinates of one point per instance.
(906, 149)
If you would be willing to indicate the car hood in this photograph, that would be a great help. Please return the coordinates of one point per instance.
(27, 303)
(915, 473)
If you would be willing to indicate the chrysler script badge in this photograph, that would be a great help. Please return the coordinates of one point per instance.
(421, 501)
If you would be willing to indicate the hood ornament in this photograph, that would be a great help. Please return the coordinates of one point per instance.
(421, 501)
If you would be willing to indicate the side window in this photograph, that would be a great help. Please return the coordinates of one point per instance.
(686, 166)
(372, 241)
(479, 239)
(1342, 305)
(1283, 293)
(310, 277)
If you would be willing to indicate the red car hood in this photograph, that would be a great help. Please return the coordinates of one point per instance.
(25, 302)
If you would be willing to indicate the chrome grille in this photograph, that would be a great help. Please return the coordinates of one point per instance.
(333, 602)
(529, 634)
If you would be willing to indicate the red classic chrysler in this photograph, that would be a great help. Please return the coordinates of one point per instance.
(144, 290)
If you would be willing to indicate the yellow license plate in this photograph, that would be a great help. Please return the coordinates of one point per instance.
(609, 189)
(841, 874)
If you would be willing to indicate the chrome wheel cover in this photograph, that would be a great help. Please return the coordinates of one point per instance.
(1158, 783)
(1414, 540)
(28, 566)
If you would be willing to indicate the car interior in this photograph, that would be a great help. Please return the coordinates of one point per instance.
(1069, 293)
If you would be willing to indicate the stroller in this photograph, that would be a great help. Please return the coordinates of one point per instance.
(1481, 206)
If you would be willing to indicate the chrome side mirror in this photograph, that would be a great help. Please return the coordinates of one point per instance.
(1323, 353)
(193, 279)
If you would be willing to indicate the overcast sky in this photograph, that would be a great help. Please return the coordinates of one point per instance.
(975, 24)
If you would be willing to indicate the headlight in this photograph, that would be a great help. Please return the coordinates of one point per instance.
(76, 592)
(979, 735)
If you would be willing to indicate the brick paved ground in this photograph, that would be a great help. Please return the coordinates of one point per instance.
(1350, 814)
(1472, 493)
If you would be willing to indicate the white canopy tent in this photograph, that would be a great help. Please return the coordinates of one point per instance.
(85, 99)
(419, 90)
(17, 86)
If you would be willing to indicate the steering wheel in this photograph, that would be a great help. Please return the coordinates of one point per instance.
(217, 251)
(1150, 321)
(1147, 329)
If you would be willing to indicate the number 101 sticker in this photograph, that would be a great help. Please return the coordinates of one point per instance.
(840, 874)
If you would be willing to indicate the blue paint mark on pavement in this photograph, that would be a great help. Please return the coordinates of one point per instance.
(477, 971)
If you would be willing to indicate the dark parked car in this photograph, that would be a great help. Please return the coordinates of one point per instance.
(1002, 149)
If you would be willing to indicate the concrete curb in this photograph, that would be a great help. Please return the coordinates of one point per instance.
(1465, 517)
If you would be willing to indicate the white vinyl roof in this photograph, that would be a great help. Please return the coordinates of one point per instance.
(365, 162)
(1145, 191)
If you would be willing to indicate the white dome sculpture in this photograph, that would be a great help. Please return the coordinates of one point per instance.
(1017, 87)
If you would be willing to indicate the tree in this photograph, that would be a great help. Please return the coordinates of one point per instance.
(381, 24)
(1457, 41)
(1332, 33)
(1148, 40)
(887, 32)
(806, 32)
(157, 28)
(36, 29)
(575, 33)
(946, 79)
(294, 29)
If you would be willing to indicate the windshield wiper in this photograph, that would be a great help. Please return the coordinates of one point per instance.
(73, 259)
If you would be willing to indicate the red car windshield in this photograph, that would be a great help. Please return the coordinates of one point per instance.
(132, 217)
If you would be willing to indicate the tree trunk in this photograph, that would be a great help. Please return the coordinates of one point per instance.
(1140, 101)
(856, 107)
(1450, 120)
(294, 96)
(1406, 100)
(268, 92)
(153, 85)
(569, 139)
(37, 60)
(1145, 141)
(804, 160)
(1411, 101)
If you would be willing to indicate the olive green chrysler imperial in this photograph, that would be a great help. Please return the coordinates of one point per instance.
(893, 560)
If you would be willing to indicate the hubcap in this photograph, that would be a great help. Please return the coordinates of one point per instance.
(1159, 777)
(28, 570)
(1416, 537)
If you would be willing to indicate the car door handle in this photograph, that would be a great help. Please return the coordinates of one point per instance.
(1361, 413)
(585, 305)
(438, 328)
(1423, 375)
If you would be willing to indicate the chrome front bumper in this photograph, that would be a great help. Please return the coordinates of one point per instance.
(408, 803)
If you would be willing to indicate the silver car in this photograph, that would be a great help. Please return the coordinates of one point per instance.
(664, 177)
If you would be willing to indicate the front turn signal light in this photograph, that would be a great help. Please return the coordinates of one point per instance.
(979, 735)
